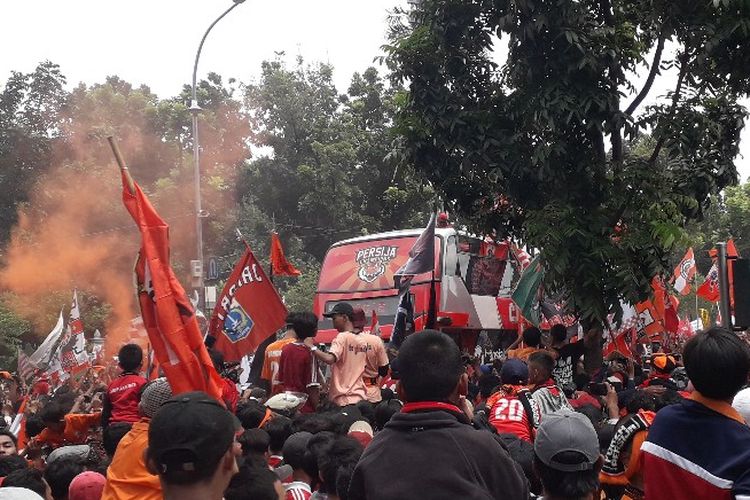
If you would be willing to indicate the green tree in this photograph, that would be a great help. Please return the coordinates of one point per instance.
(30, 120)
(520, 147)
(13, 330)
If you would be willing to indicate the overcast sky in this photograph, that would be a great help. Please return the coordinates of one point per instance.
(154, 42)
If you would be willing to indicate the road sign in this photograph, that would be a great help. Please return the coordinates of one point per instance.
(213, 268)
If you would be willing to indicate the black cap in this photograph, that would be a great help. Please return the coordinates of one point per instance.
(341, 308)
(190, 432)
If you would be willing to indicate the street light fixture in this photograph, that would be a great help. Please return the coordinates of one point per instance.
(200, 214)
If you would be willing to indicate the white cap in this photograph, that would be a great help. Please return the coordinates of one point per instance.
(13, 493)
(741, 403)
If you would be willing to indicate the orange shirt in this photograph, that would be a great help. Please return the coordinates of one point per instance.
(375, 358)
(271, 360)
(77, 427)
(347, 382)
(127, 476)
(523, 353)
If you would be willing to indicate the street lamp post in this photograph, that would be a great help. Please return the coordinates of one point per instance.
(200, 214)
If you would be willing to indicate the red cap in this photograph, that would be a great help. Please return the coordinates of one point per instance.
(87, 485)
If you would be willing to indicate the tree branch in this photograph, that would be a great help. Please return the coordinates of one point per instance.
(675, 99)
(651, 75)
(615, 72)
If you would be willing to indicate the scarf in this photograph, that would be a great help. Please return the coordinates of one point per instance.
(613, 471)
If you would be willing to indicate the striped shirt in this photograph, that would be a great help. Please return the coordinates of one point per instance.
(697, 449)
(298, 490)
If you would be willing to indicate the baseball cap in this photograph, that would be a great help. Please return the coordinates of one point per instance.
(78, 453)
(362, 431)
(341, 308)
(514, 371)
(86, 486)
(295, 448)
(190, 432)
(287, 401)
(741, 403)
(14, 493)
(359, 320)
(155, 393)
(567, 431)
(663, 362)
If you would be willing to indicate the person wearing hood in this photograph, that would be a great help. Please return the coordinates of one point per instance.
(430, 446)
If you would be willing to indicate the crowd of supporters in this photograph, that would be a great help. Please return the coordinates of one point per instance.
(360, 419)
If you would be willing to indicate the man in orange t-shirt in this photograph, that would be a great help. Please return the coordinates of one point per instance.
(347, 358)
(376, 359)
(127, 476)
(65, 429)
(532, 339)
(272, 356)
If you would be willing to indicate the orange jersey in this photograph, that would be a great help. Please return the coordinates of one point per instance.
(508, 415)
(77, 427)
(271, 360)
(127, 476)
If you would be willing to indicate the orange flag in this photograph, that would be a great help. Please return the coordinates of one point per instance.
(279, 265)
(167, 313)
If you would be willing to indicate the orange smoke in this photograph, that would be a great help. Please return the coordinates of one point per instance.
(61, 244)
(75, 231)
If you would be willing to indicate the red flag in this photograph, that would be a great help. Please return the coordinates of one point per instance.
(167, 313)
(709, 290)
(375, 325)
(279, 264)
(248, 311)
(620, 343)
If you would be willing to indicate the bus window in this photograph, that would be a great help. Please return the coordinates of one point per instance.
(482, 265)
(451, 257)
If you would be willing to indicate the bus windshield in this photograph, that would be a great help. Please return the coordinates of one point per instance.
(369, 265)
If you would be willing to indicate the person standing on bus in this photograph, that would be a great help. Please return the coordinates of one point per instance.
(347, 358)
(532, 339)
(376, 364)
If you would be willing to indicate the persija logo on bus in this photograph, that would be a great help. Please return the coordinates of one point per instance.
(373, 261)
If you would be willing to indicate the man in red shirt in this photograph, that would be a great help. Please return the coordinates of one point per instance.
(120, 402)
(298, 369)
(512, 409)
(269, 374)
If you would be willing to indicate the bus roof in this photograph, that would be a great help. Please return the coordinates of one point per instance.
(439, 231)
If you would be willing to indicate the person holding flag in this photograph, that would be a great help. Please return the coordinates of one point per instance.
(168, 315)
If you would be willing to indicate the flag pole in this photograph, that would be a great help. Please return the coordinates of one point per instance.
(121, 163)
(724, 307)
(270, 260)
(431, 308)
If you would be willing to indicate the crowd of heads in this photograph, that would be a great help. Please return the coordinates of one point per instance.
(267, 446)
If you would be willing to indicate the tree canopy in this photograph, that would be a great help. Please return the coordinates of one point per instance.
(553, 145)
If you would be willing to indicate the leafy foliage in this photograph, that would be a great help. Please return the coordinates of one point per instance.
(519, 148)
